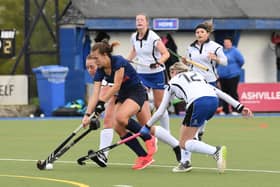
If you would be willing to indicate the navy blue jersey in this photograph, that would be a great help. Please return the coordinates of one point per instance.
(130, 78)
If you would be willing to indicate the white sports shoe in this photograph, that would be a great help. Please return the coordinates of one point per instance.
(183, 167)
(220, 156)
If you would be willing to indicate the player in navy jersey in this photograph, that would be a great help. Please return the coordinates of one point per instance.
(131, 96)
(202, 102)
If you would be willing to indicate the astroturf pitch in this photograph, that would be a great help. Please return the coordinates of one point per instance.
(253, 156)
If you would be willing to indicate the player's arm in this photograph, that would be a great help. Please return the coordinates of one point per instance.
(162, 107)
(132, 54)
(163, 51)
(221, 57)
(93, 100)
(119, 74)
(158, 114)
(236, 104)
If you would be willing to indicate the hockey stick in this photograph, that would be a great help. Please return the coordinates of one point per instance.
(92, 154)
(189, 61)
(61, 149)
(146, 65)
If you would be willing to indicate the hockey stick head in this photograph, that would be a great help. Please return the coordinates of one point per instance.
(81, 161)
(98, 157)
(41, 165)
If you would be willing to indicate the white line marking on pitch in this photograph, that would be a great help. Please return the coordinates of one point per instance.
(153, 165)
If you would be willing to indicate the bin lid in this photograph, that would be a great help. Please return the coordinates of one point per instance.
(53, 73)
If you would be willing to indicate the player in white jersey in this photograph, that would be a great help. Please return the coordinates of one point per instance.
(151, 53)
(202, 102)
(208, 53)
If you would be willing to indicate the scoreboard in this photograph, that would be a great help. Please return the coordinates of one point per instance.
(7, 43)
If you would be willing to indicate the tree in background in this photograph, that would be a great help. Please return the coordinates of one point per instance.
(12, 17)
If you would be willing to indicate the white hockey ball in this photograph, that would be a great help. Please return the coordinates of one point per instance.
(42, 115)
(49, 166)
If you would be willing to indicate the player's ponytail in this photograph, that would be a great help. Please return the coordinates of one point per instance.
(179, 67)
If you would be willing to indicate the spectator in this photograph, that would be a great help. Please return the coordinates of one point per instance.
(229, 75)
(170, 44)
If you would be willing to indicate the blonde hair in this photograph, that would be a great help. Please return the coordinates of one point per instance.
(179, 67)
(145, 15)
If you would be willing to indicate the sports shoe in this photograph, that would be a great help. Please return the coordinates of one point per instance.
(220, 156)
(99, 158)
(151, 146)
(219, 110)
(222, 113)
(177, 151)
(142, 162)
(183, 167)
(235, 114)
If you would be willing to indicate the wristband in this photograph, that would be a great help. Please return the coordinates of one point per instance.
(87, 114)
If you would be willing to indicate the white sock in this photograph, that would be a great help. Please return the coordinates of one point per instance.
(185, 156)
(200, 147)
(106, 138)
(164, 121)
(165, 136)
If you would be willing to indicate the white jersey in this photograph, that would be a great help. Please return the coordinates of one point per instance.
(200, 54)
(189, 86)
(146, 51)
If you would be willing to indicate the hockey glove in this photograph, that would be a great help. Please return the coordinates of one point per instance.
(100, 107)
(94, 124)
(145, 130)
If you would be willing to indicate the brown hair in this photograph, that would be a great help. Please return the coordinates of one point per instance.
(207, 25)
(104, 47)
(89, 57)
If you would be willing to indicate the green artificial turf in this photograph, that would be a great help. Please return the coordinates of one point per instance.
(253, 156)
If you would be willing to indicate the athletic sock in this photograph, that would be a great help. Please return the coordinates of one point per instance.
(185, 156)
(164, 121)
(177, 151)
(135, 127)
(134, 145)
(200, 147)
(106, 138)
(163, 135)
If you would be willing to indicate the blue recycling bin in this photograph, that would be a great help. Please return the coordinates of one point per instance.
(51, 87)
